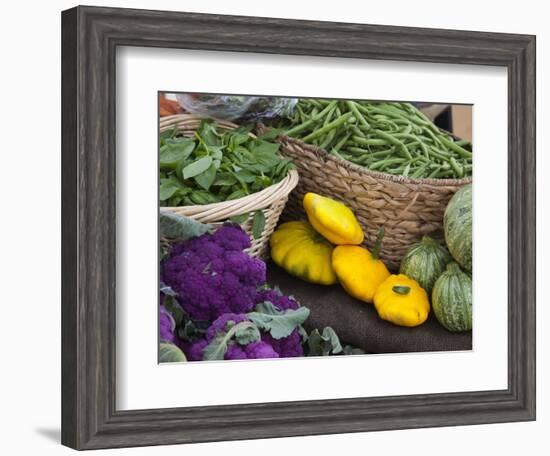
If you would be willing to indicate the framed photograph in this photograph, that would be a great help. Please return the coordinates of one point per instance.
(281, 228)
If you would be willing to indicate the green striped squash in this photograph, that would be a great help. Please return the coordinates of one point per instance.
(169, 353)
(452, 299)
(457, 224)
(425, 262)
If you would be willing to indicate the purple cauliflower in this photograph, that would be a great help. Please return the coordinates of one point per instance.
(222, 324)
(276, 298)
(167, 325)
(212, 275)
(287, 347)
(255, 350)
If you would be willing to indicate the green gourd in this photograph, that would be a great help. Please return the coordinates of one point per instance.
(457, 224)
(452, 299)
(425, 262)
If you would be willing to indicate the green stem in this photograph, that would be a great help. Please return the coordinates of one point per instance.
(401, 289)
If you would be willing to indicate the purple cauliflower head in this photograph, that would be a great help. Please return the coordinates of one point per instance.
(287, 347)
(255, 350)
(278, 299)
(213, 276)
(167, 325)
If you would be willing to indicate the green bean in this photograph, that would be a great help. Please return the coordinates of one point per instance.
(369, 141)
(316, 103)
(334, 124)
(420, 171)
(311, 121)
(434, 171)
(380, 165)
(340, 143)
(393, 140)
(353, 108)
(458, 149)
(456, 167)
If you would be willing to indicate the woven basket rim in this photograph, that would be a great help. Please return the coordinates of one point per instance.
(258, 200)
(366, 171)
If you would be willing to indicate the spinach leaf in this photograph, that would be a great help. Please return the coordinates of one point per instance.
(239, 219)
(258, 224)
(172, 153)
(197, 167)
(206, 178)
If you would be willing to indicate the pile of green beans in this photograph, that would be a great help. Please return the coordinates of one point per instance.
(389, 137)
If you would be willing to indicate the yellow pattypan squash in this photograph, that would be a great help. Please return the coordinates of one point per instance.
(334, 220)
(302, 252)
(402, 301)
(359, 271)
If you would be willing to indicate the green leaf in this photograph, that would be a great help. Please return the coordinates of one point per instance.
(207, 133)
(245, 334)
(236, 194)
(278, 323)
(206, 178)
(172, 153)
(349, 350)
(224, 180)
(197, 167)
(324, 344)
(169, 353)
(258, 224)
(245, 175)
(167, 190)
(239, 219)
(202, 197)
(271, 134)
(218, 347)
(174, 308)
(175, 226)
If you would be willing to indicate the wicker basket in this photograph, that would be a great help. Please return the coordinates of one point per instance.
(407, 208)
(270, 200)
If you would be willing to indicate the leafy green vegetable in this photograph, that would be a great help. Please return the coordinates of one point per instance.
(197, 167)
(169, 353)
(217, 165)
(278, 323)
(258, 224)
(244, 333)
(239, 219)
(325, 343)
(175, 226)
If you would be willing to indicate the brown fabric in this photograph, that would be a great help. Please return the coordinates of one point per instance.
(358, 324)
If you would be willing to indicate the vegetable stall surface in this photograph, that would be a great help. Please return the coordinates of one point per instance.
(216, 165)
(389, 137)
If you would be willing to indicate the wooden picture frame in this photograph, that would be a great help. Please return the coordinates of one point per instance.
(90, 37)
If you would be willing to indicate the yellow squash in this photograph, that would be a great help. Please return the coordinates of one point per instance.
(302, 252)
(334, 220)
(359, 271)
(402, 301)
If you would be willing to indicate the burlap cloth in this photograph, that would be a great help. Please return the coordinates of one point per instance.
(358, 324)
